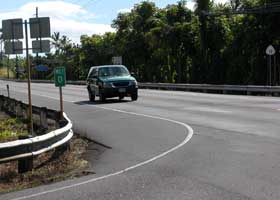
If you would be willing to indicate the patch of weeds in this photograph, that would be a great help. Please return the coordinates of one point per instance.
(11, 128)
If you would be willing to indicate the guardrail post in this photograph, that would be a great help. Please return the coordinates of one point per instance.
(24, 111)
(18, 109)
(43, 118)
(8, 90)
(25, 164)
(1, 102)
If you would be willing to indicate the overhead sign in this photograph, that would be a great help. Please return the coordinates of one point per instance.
(41, 46)
(59, 76)
(13, 47)
(40, 27)
(117, 60)
(270, 50)
(12, 29)
(41, 68)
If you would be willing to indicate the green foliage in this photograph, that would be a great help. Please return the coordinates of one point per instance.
(11, 128)
(175, 44)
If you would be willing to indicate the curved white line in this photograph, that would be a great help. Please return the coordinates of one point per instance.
(187, 139)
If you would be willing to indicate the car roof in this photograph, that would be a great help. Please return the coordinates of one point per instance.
(104, 66)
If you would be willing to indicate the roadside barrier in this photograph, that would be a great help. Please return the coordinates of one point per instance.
(224, 89)
(26, 148)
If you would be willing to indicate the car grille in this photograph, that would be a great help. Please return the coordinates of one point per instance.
(121, 84)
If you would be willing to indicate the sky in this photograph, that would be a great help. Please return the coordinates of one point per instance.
(74, 18)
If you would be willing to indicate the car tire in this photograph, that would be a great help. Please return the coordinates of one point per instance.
(134, 96)
(91, 95)
(102, 98)
(121, 98)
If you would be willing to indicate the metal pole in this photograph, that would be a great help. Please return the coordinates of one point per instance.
(274, 71)
(29, 81)
(8, 66)
(61, 103)
(37, 61)
(269, 70)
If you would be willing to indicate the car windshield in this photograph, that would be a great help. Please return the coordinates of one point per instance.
(113, 71)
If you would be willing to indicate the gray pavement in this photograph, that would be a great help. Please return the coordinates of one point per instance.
(233, 154)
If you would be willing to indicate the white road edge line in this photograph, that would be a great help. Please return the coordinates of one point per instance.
(186, 140)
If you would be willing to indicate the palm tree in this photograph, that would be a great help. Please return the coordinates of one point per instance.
(56, 42)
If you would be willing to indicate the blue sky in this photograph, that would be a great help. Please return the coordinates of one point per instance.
(75, 17)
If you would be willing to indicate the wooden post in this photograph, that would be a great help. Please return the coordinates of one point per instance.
(25, 164)
(29, 81)
(61, 103)
(43, 118)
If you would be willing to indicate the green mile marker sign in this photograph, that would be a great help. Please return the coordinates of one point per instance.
(59, 76)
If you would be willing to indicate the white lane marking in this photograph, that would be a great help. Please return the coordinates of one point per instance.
(186, 140)
(207, 109)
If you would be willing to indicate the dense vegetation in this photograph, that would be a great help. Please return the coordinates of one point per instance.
(175, 44)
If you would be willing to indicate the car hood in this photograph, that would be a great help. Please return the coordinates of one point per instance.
(117, 78)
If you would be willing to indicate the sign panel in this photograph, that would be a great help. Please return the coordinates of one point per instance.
(12, 29)
(41, 46)
(40, 27)
(59, 76)
(117, 60)
(41, 68)
(14, 47)
(270, 50)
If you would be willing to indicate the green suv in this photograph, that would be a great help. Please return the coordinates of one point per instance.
(111, 81)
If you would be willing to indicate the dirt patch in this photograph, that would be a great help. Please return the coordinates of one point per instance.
(48, 168)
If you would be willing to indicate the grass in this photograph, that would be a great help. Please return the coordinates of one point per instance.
(4, 74)
(11, 128)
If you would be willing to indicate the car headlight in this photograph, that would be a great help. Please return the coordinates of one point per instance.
(134, 83)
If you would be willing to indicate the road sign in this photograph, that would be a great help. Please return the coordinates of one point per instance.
(40, 27)
(12, 29)
(40, 46)
(117, 60)
(270, 50)
(41, 68)
(59, 76)
(13, 47)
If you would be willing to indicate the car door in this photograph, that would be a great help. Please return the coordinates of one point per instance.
(93, 81)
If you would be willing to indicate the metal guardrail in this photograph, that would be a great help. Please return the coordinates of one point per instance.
(19, 149)
(248, 89)
(33, 146)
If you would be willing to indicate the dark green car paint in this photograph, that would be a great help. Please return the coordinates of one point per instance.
(111, 86)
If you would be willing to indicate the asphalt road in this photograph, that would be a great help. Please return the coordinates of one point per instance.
(234, 152)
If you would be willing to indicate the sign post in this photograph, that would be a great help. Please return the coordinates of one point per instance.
(270, 51)
(12, 30)
(60, 81)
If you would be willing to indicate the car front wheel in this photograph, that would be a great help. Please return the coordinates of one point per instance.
(91, 95)
(102, 97)
(134, 96)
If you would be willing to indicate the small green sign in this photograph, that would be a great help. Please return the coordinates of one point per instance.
(59, 76)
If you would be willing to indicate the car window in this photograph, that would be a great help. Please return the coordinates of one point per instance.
(93, 73)
(113, 71)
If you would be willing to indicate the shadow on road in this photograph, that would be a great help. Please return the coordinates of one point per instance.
(109, 101)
